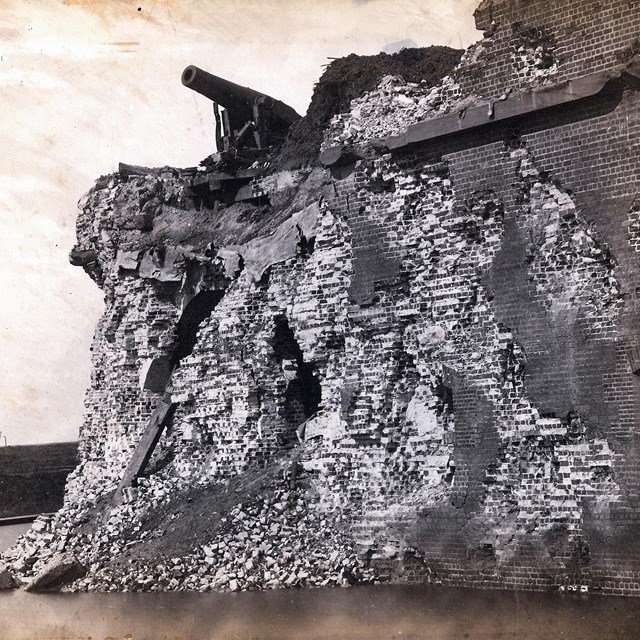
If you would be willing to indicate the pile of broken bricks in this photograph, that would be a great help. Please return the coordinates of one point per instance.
(277, 540)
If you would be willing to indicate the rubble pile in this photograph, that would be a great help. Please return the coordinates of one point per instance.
(398, 101)
(274, 540)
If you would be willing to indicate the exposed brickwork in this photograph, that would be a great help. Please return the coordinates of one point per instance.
(448, 345)
(562, 287)
(526, 46)
(500, 437)
(527, 40)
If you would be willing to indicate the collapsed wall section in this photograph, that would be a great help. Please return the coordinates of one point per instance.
(173, 298)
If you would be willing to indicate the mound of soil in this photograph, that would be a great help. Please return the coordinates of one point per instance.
(351, 77)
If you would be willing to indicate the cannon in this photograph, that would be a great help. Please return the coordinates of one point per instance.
(246, 112)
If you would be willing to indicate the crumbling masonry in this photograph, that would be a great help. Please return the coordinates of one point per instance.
(431, 343)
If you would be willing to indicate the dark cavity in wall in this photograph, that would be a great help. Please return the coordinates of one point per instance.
(198, 310)
(303, 393)
(536, 44)
(444, 393)
(305, 245)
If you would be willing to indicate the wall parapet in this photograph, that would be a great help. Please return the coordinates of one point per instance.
(509, 108)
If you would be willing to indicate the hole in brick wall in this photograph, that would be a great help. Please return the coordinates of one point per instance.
(263, 283)
(340, 172)
(198, 310)
(285, 345)
(240, 269)
(451, 472)
(444, 394)
(379, 185)
(306, 246)
(533, 47)
(513, 141)
(303, 393)
(392, 446)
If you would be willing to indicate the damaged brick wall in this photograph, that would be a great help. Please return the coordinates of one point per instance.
(527, 47)
(528, 451)
(530, 41)
(162, 283)
(543, 425)
(442, 335)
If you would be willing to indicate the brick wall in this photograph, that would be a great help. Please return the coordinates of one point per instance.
(529, 41)
(466, 310)
(545, 482)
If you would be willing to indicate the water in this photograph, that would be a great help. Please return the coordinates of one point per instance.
(9, 534)
(394, 612)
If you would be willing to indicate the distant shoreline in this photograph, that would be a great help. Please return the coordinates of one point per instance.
(33, 477)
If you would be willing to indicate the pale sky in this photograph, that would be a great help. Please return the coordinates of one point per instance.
(85, 84)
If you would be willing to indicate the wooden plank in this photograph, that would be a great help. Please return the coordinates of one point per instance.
(143, 451)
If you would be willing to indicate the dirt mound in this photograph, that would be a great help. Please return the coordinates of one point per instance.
(350, 77)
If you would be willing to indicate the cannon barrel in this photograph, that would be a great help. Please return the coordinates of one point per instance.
(235, 98)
